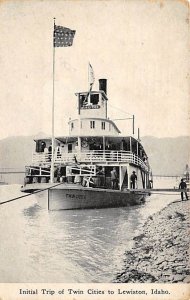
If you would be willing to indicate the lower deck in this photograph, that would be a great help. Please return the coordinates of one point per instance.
(116, 177)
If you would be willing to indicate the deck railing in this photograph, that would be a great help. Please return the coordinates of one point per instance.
(89, 156)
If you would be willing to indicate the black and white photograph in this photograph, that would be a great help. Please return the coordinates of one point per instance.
(94, 149)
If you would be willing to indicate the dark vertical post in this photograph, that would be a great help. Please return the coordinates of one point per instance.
(131, 150)
(79, 103)
(133, 124)
(104, 143)
(106, 109)
(48, 199)
(137, 149)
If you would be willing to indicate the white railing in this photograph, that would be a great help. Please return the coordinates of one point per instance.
(37, 171)
(89, 170)
(89, 156)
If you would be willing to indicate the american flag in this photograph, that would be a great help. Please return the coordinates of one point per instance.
(63, 37)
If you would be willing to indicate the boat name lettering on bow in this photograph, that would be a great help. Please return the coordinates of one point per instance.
(75, 196)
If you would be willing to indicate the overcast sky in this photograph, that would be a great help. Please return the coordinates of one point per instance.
(141, 47)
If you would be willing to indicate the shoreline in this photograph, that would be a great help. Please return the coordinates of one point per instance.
(161, 253)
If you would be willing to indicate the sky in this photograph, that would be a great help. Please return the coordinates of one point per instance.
(140, 46)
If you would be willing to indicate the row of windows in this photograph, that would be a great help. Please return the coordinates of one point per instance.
(93, 125)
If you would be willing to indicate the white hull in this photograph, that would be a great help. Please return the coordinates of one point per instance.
(66, 197)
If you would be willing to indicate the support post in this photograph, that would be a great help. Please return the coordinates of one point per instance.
(137, 149)
(120, 179)
(79, 130)
(130, 145)
(79, 144)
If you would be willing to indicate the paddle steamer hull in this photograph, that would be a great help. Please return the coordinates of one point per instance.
(73, 199)
(68, 198)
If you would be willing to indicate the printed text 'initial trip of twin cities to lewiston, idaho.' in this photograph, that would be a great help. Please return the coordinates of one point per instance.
(90, 291)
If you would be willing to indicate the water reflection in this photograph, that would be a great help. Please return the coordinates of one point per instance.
(67, 246)
(32, 211)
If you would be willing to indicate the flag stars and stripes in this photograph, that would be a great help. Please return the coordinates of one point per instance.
(63, 37)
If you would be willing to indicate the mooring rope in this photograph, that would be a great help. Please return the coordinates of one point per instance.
(30, 194)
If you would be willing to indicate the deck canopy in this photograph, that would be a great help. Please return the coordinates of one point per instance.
(125, 143)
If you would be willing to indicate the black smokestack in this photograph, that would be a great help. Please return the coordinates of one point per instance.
(103, 85)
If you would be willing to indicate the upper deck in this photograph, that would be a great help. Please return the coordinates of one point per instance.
(90, 157)
(96, 150)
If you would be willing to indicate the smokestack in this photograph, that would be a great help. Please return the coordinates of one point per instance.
(103, 85)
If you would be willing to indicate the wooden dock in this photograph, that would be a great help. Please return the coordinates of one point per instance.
(160, 190)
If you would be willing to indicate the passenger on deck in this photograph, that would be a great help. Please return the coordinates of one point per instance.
(114, 179)
(46, 154)
(150, 186)
(58, 173)
(88, 181)
(43, 145)
(144, 158)
(77, 179)
(101, 175)
(50, 152)
(100, 171)
(46, 150)
(75, 159)
(58, 151)
(133, 179)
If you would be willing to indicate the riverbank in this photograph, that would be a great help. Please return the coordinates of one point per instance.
(161, 253)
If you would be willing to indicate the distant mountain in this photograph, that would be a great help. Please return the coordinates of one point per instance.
(16, 152)
(167, 156)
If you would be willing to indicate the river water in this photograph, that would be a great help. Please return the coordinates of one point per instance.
(78, 246)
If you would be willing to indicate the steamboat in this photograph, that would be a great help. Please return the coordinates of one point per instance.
(94, 166)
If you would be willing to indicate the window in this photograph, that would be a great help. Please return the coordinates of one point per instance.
(70, 148)
(82, 100)
(92, 124)
(72, 126)
(94, 99)
(103, 125)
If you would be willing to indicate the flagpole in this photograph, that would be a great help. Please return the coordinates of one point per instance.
(52, 137)
(88, 95)
(88, 74)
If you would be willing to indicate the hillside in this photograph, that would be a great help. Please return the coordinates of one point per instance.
(167, 156)
(16, 152)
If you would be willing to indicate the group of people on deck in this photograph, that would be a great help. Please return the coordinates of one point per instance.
(115, 179)
(47, 150)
